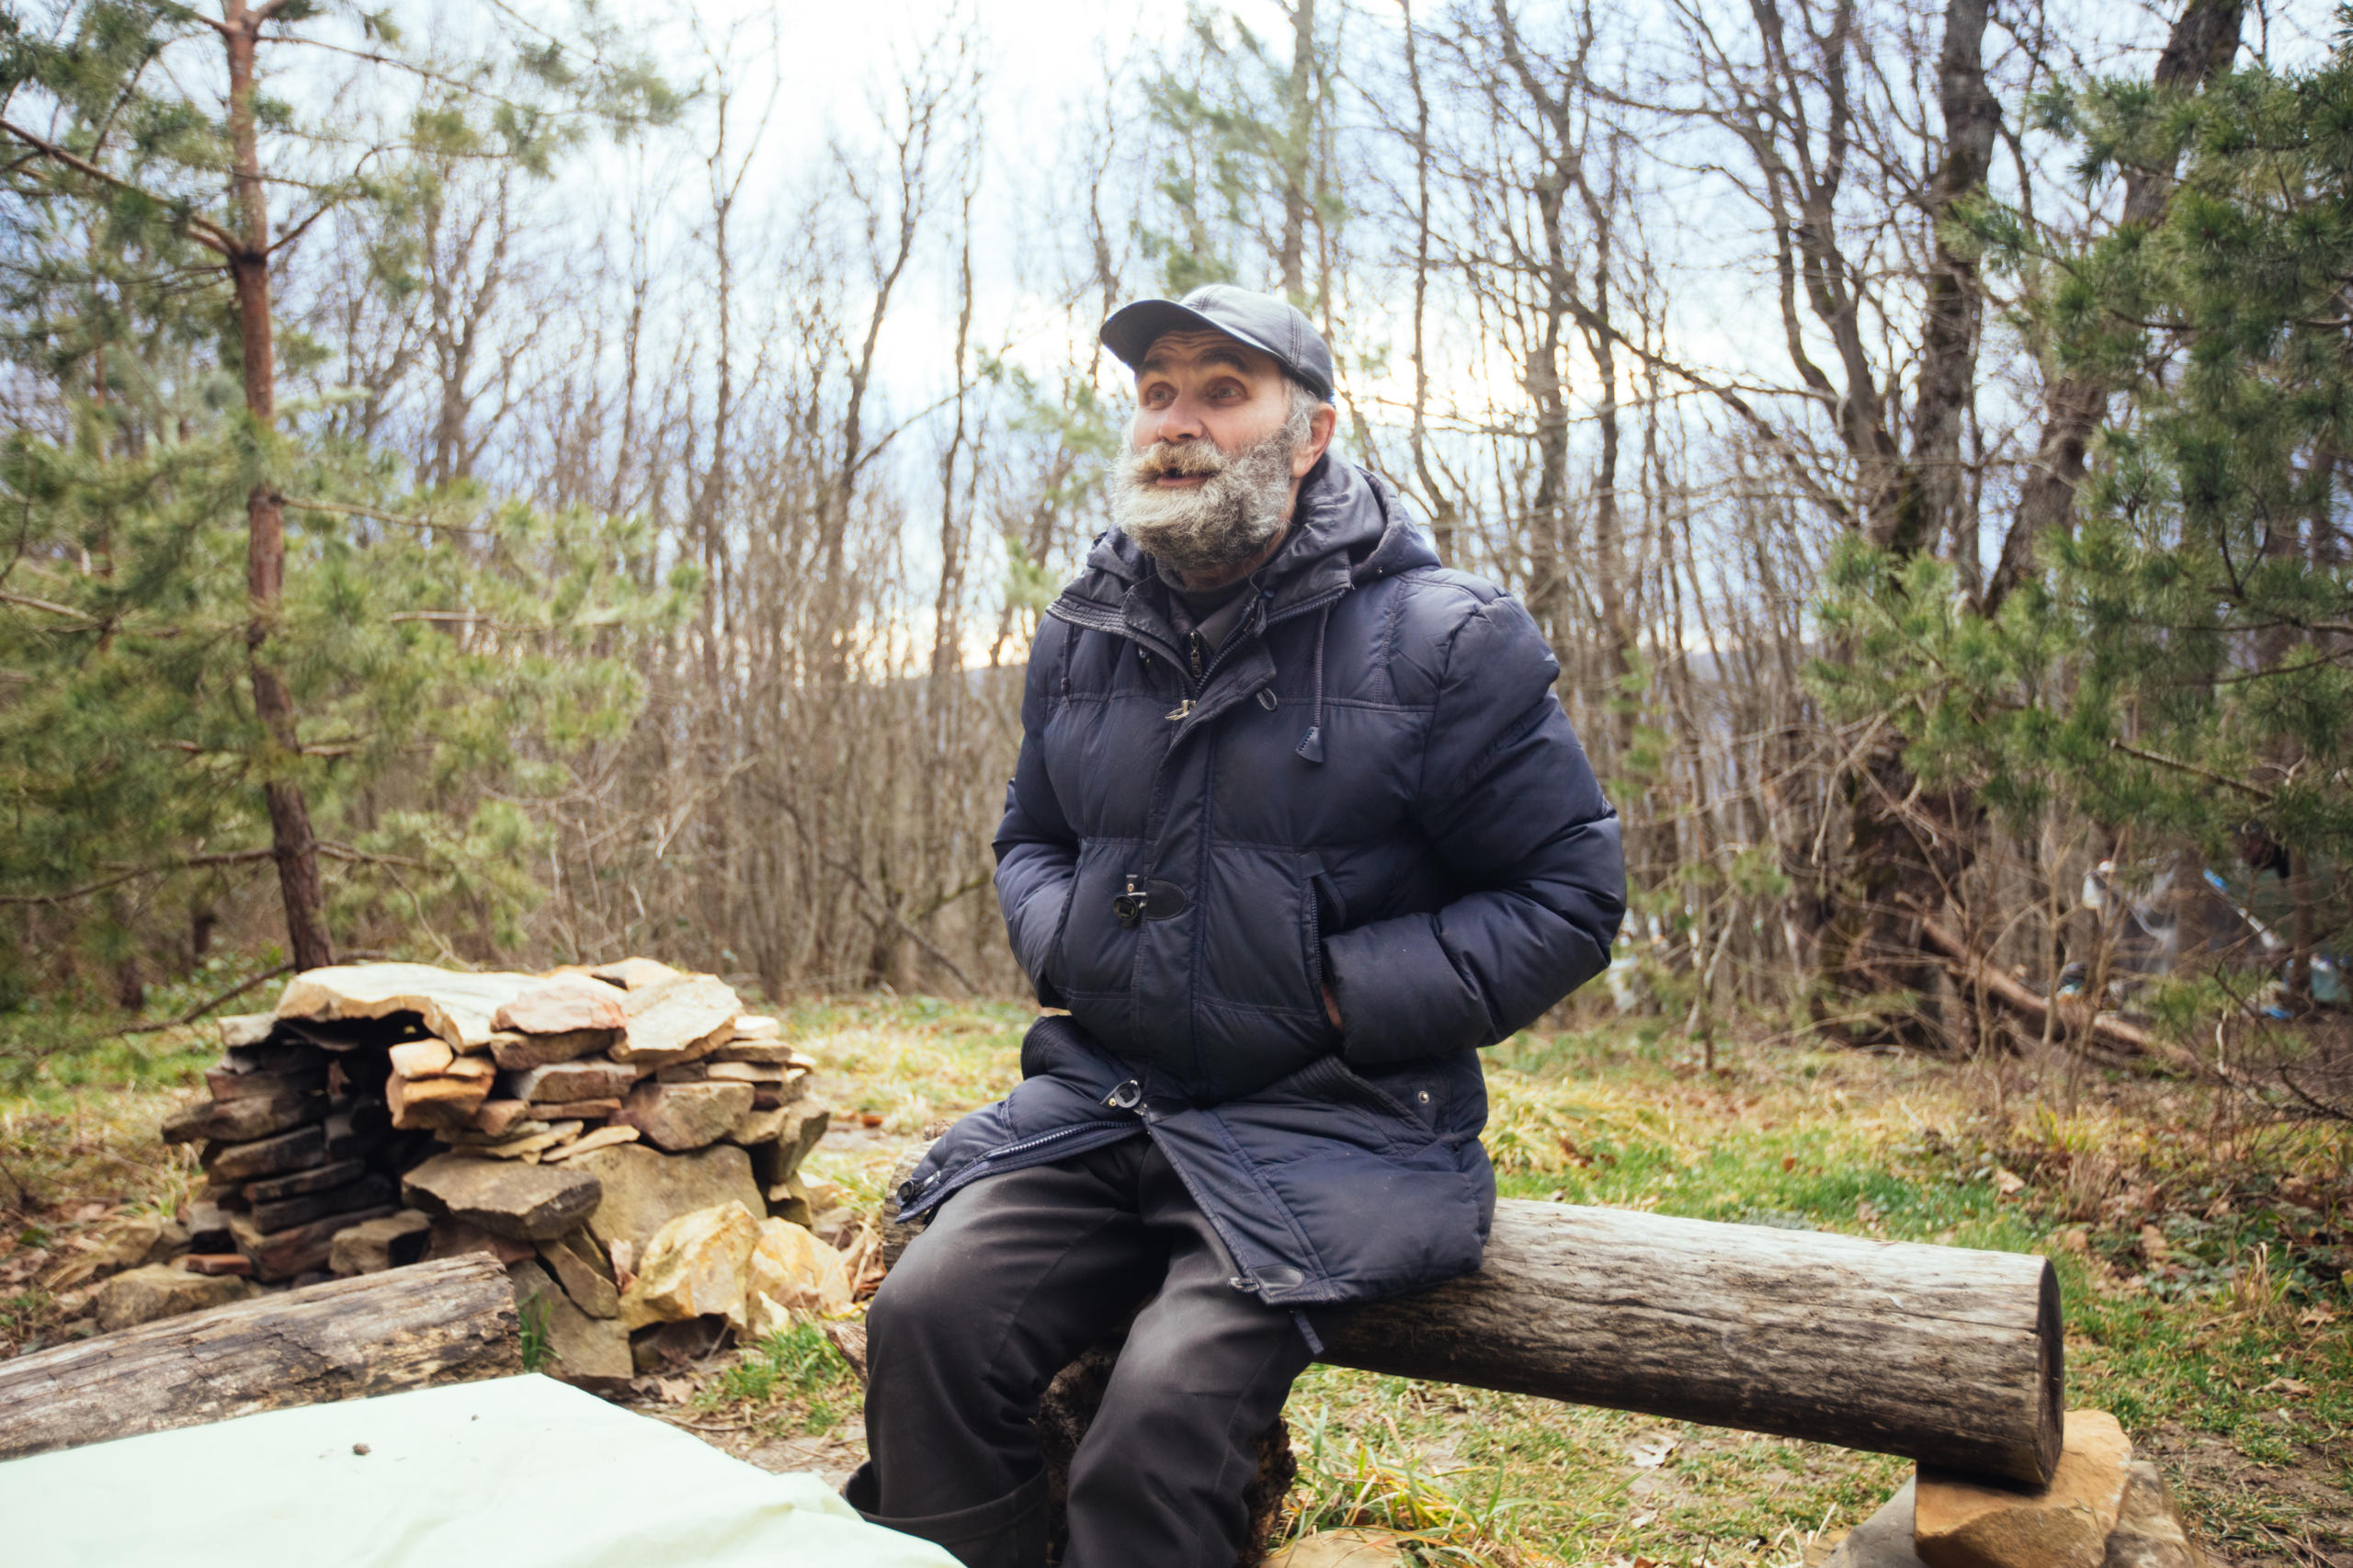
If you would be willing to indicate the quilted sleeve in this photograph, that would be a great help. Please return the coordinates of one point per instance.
(1509, 801)
(1037, 852)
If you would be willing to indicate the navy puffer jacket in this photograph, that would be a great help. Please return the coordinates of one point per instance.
(1373, 784)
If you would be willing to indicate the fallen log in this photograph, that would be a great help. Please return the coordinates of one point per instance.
(451, 1320)
(2075, 1021)
(1950, 1357)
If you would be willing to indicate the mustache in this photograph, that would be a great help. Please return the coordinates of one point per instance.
(1178, 460)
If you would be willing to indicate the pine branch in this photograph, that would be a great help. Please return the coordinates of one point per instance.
(2253, 792)
(202, 230)
(28, 602)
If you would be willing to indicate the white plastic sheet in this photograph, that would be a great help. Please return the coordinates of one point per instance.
(520, 1472)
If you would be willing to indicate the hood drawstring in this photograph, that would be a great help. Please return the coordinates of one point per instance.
(1311, 744)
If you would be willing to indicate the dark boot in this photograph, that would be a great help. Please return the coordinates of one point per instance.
(1008, 1532)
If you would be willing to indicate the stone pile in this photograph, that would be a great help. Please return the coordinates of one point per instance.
(565, 1122)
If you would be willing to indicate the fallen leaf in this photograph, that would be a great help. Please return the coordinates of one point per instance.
(2007, 1181)
(1652, 1452)
(676, 1391)
(2152, 1244)
(2292, 1387)
(1788, 1162)
(1647, 1516)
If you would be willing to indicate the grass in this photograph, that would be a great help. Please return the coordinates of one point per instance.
(2201, 1258)
(793, 1380)
(2222, 1347)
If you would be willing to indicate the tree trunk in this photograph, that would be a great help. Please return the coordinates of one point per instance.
(298, 887)
(449, 1320)
(1298, 133)
(1950, 313)
(1907, 850)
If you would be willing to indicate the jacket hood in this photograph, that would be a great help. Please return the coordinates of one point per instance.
(1350, 526)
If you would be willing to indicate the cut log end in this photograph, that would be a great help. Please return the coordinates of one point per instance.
(2051, 1339)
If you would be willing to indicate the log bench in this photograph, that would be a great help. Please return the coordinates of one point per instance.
(1945, 1355)
(1948, 1355)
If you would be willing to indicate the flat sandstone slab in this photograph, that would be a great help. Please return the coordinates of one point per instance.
(515, 1052)
(294, 1151)
(1956, 1523)
(678, 1020)
(590, 1078)
(567, 1004)
(679, 1117)
(524, 1203)
(456, 1006)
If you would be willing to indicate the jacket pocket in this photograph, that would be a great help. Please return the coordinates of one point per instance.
(1094, 953)
(1259, 933)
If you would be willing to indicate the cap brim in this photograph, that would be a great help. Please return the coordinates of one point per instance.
(1132, 330)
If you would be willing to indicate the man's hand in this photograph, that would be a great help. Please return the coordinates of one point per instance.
(1331, 1005)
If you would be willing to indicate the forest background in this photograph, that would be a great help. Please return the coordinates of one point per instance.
(510, 486)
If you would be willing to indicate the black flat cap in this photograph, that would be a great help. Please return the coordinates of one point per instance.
(1273, 326)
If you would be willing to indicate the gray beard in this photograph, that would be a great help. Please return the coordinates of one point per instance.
(1221, 524)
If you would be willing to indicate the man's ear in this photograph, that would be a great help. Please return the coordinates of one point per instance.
(1320, 426)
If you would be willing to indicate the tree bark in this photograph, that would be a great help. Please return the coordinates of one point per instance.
(452, 1320)
(1950, 1357)
(1907, 849)
(1953, 305)
(1298, 129)
(297, 854)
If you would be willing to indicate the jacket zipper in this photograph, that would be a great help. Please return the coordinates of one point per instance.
(1023, 1147)
(980, 1163)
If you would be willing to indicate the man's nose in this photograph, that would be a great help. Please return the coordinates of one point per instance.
(1179, 421)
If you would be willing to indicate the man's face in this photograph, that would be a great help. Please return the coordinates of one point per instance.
(1216, 454)
(1204, 386)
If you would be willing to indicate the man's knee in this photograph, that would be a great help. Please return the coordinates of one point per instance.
(924, 1300)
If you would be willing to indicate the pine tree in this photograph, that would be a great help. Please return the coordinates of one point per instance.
(217, 620)
(2181, 666)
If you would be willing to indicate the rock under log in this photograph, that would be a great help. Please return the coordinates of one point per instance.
(449, 1320)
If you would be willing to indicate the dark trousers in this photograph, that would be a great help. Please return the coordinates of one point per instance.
(1017, 1276)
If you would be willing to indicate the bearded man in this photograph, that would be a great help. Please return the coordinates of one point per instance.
(1298, 825)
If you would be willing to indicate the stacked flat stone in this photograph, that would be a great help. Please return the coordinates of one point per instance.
(389, 1112)
(298, 1144)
